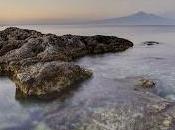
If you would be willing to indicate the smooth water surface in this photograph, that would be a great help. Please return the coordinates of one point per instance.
(156, 62)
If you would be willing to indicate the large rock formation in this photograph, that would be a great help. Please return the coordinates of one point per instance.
(38, 63)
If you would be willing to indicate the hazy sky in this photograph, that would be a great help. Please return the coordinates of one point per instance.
(17, 10)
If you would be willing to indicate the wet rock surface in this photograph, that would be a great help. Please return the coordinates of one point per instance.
(146, 83)
(121, 108)
(39, 63)
(139, 111)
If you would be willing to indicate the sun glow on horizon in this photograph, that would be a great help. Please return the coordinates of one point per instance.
(24, 10)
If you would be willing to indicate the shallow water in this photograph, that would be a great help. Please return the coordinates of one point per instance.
(111, 73)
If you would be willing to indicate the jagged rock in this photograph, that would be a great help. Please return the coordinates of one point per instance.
(38, 63)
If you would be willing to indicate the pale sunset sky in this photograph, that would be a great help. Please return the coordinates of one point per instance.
(24, 10)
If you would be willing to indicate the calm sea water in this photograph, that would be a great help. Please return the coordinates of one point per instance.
(156, 62)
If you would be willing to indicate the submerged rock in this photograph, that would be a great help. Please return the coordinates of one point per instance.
(149, 43)
(140, 111)
(146, 83)
(39, 63)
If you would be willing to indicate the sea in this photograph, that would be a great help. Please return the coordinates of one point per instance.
(109, 81)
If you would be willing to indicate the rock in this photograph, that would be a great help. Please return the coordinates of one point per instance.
(49, 77)
(116, 119)
(127, 110)
(149, 43)
(146, 83)
(135, 115)
(167, 123)
(39, 63)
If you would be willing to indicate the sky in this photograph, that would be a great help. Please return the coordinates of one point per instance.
(33, 10)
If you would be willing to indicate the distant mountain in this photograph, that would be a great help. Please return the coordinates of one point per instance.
(140, 18)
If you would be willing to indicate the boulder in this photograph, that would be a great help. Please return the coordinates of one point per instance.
(146, 83)
(50, 78)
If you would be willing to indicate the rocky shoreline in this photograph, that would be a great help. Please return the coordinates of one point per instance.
(39, 64)
(41, 67)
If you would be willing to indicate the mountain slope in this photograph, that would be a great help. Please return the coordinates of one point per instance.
(140, 18)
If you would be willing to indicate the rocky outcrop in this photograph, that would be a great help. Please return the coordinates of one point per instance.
(150, 43)
(146, 83)
(39, 63)
(49, 78)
